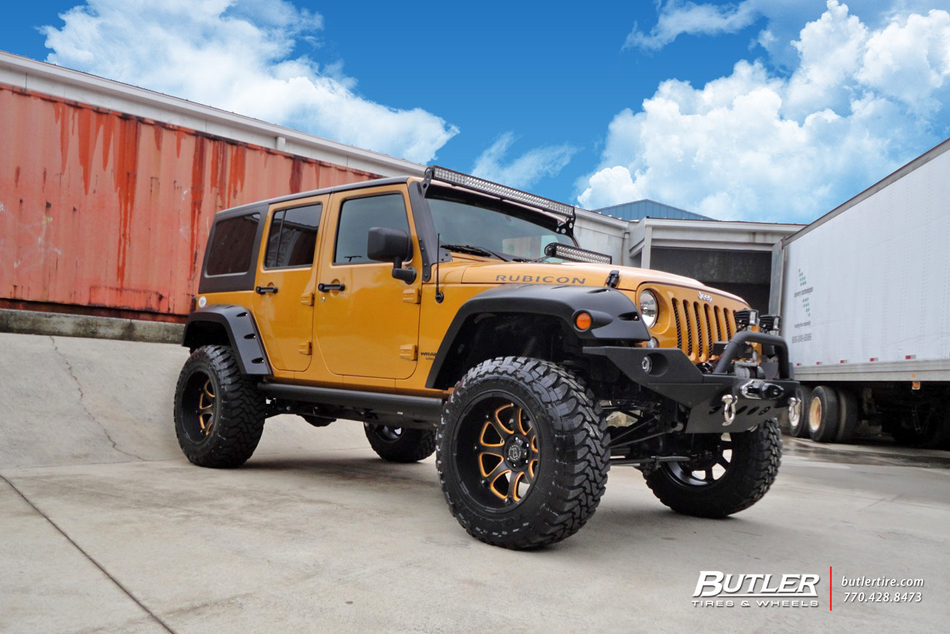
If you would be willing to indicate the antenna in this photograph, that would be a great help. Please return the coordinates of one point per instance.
(439, 295)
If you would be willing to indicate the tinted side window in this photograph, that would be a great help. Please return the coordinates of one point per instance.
(358, 216)
(232, 244)
(292, 239)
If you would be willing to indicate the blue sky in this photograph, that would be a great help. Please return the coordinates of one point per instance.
(752, 110)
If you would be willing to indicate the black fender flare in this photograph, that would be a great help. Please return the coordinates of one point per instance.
(242, 333)
(614, 316)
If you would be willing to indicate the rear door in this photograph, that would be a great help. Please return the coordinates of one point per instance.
(283, 304)
(367, 322)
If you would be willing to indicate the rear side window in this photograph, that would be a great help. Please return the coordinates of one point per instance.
(358, 216)
(232, 244)
(292, 239)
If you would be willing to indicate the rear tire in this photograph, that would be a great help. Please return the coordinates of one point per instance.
(219, 413)
(747, 466)
(398, 444)
(522, 456)
(823, 419)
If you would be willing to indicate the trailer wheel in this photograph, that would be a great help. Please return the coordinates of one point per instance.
(800, 429)
(823, 414)
(727, 474)
(847, 415)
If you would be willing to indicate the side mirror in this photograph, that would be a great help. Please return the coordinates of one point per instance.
(391, 245)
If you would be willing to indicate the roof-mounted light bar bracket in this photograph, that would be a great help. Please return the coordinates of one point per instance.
(563, 211)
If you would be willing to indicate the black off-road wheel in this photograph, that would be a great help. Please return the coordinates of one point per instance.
(219, 413)
(398, 444)
(522, 456)
(727, 473)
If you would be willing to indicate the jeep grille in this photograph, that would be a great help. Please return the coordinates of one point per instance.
(699, 325)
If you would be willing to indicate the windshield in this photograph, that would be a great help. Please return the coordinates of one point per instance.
(477, 225)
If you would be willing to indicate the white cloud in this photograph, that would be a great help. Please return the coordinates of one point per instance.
(829, 51)
(237, 55)
(527, 169)
(909, 60)
(756, 145)
(679, 18)
(783, 22)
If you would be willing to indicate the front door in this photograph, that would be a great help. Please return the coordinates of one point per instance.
(285, 283)
(367, 322)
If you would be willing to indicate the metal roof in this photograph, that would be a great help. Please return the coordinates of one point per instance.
(639, 209)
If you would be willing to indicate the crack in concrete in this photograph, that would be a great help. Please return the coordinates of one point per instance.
(95, 563)
(82, 404)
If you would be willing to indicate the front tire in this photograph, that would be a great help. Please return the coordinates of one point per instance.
(522, 456)
(219, 413)
(398, 444)
(728, 474)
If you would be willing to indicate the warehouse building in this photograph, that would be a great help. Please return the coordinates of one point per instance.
(733, 256)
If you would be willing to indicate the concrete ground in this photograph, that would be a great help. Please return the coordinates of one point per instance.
(105, 527)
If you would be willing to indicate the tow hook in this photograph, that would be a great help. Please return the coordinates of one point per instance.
(728, 409)
(794, 411)
(761, 390)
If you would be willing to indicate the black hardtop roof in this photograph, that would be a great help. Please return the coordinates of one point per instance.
(264, 204)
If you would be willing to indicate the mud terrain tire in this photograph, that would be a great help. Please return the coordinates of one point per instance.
(752, 467)
(522, 453)
(219, 413)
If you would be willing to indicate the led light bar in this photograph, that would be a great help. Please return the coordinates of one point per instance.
(747, 317)
(770, 323)
(576, 254)
(434, 172)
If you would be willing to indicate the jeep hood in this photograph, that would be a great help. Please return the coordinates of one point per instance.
(579, 274)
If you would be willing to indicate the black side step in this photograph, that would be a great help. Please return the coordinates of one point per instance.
(420, 407)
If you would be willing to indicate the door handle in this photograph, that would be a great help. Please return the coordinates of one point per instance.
(263, 290)
(323, 288)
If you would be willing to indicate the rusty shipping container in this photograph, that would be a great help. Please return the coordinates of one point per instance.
(105, 212)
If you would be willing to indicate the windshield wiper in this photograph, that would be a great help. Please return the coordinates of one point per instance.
(474, 250)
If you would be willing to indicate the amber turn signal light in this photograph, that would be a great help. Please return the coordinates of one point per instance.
(582, 321)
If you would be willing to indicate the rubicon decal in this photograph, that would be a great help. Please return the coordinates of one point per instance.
(541, 279)
(717, 589)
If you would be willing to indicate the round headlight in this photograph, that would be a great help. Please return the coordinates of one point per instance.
(649, 308)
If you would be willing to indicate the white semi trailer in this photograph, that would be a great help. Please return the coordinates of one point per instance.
(864, 296)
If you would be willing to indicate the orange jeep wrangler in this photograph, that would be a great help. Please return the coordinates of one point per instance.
(455, 315)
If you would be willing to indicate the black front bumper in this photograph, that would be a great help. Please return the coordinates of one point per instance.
(670, 373)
